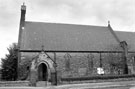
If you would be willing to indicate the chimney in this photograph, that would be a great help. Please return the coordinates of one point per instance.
(22, 22)
(23, 12)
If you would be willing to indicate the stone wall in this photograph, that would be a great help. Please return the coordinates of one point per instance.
(82, 64)
(86, 64)
(14, 83)
(79, 65)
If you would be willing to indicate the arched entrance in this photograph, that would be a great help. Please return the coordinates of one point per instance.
(42, 72)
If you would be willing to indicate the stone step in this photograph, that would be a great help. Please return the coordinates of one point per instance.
(43, 83)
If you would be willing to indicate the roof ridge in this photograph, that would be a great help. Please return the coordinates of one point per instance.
(125, 31)
(66, 23)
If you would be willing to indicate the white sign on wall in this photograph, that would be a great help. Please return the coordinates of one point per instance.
(100, 70)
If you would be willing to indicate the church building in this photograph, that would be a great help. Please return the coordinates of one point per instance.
(49, 51)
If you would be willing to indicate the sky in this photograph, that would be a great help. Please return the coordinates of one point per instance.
(120, 13)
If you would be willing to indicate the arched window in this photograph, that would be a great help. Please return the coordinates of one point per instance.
(90, 61)
(67, 57)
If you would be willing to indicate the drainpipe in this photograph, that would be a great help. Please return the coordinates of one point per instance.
(100, 61)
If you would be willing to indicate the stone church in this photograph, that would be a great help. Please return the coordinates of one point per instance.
(49, 51)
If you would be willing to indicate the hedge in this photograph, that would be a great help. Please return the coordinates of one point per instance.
(101, 77)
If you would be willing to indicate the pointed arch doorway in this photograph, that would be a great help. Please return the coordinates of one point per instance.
(42, 69)
(42, 72)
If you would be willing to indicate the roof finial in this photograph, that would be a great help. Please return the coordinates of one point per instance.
(23, 7)
(108, 23)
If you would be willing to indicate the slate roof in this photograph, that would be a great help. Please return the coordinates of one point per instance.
(70, 37)
(129, 37)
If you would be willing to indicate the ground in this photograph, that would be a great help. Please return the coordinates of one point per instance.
(104, 85)
(125, 87)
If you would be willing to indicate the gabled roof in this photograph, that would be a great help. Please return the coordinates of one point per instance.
(129, 37)
(69, 37)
